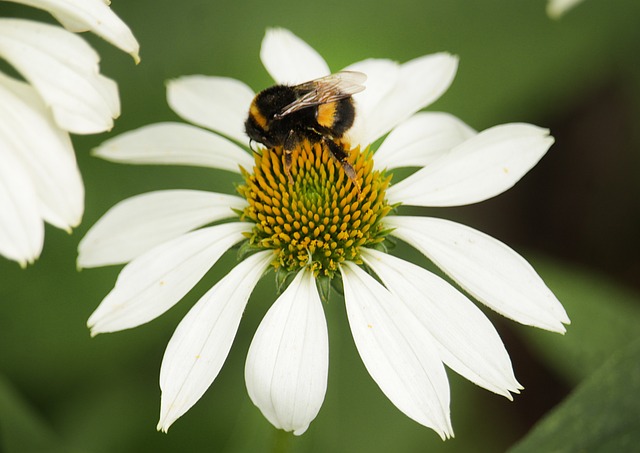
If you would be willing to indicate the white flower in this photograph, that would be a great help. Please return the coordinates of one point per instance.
(557, 8)
(65, 92)
(320, 227)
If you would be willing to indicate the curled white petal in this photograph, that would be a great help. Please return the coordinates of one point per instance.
(419, 83)
(421, 139)
(486, 268)
(21, 226)
(217, 103)
(398, 352)
(45, 152)
(482, 167)
(90, 15)
(63, 68)
(137, 224)
(154, 282)
(200, 345)
(288, 360)
(175, 144)
(289, 60)
(466, 339)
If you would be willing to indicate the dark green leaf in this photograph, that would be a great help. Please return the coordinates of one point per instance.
(604, 317)
(602, 415)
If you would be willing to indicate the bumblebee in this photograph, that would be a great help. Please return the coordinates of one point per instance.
(320, 110)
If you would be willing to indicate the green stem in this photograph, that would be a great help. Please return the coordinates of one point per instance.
(282, 442)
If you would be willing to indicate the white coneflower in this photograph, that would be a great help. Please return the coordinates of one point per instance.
(63, 91)
(319, 228)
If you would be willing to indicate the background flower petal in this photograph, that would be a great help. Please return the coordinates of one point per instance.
(420, 82)
(397, 351)
(217, 103)
(421, 139)
(486, 268)
(137, 224)
(90, 15)
(556, 8)
(175, 144)
(63, 68)
(21, 227)
(45, 153)
(154, 282)
(467, 341)
(289, 60)
(288, 360)
(200, 345)
(482, 167)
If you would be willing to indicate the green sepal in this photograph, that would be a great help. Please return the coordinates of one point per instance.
(284, 278)
(323, 283)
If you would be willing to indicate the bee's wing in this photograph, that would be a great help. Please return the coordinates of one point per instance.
(326, 89)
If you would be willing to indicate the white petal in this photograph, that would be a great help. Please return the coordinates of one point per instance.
(419, 83)
(480, 168)
(421, 139)
(467, 341)
(289, 60)
(154, 282)
(486, 268)
(175, 144)
(217, 103)
(200, 345)
(64, 70)
(137, 224)
(45, 152)
(21, 227)
(90, 15)
(288, 360)
(382, 76)
(398, 352)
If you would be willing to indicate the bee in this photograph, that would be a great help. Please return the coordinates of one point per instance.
(320, 111)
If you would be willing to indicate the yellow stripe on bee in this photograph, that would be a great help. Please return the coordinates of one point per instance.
(257, 115)
(326, 114)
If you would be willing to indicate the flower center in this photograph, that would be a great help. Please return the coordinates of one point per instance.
(321, 218)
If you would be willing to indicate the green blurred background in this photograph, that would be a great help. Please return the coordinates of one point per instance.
(576, 217)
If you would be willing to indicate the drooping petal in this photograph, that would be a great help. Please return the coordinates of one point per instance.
(398, 352)
(175, 144)
(64, 70)
(382, 76)
(90, 15)
(137, 224)
(421, 139)
(21, 227)
(482, 167)
(200, 345)
(288, 360)
(289, 60)
(419, 83)
(154, 282)
(45, 152)
(486, 268)
(217, 103)
(467, 341)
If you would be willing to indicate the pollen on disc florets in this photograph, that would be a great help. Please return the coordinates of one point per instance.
(320, 219)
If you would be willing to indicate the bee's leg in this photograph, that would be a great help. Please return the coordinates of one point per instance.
(341, 156)
(289, 145)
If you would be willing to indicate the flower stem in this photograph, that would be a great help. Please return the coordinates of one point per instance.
(282, 442)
